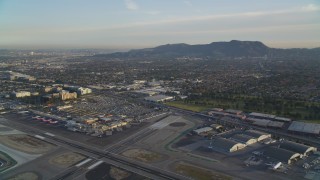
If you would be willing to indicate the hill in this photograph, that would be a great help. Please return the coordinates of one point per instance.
(232, 49)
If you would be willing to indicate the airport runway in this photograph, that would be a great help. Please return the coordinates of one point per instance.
(110, 158)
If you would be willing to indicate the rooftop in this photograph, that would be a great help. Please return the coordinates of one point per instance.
(303, 127)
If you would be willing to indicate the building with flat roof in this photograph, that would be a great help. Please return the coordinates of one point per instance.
(305, 128)
(159, 98)
(257, 134)
(261, 115)
(216, 126)
(268, 117)
(227, 145)
(21, 94)
(265, 123)
(298, 148)
(282, 155)
(202, 130)
(233, 111)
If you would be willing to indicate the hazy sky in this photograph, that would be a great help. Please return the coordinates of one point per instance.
(145, 23)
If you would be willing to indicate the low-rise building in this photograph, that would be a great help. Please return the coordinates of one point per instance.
(304, 128)
(159, 98)
(233, 111)
(66, 95)
(83, 91)
(21, 94)
(202, 130)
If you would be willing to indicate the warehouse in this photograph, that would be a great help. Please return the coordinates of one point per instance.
(227, 145)
(159, 98)
(217, 127)
(266, 123)
(305, 128)
(202, 130)
(282, 155)
(269, 117)
(242, 138)
(298, 148)
(257, 134)
(261, 115)
(232, 111)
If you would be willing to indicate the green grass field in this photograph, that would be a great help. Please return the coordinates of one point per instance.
(297, 110)
(312, 121)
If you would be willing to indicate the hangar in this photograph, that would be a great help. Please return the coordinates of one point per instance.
(217, 126)
(282, 155)
(297, 147)
(202, 130)
(257, 134)
(227, 145)
(242, 138)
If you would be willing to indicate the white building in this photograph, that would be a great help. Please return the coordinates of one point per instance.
(203, 130)
(159, 98)
(82, 91)
(21, 94)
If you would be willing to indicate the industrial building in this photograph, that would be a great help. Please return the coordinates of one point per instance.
(257, 134)
(304, 128)
(66, 95)
(265, 123)
(232, 111)
(18, 76)
(298, 148)
(227, 145)
(282, 155)
(202, 130)
(217, 127)
(159, 98)
(21, 94)
(269, 117)
(79, 90)
(245, 139)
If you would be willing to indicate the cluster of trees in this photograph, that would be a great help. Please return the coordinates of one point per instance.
(281, 107)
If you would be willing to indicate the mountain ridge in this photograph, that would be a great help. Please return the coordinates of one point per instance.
(222, 49)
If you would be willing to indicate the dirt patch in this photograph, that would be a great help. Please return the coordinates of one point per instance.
(107, 172)
(118, 174)
(199, 173)
(177, 124)
(25, 143)
(66, 159)
(25, 175)
(142, 155)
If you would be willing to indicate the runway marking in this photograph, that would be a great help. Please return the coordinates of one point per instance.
(95, 164)
(83, 162)
(49, 134)
(39, 137)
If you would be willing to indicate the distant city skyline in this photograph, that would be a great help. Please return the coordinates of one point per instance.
(127, 24)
